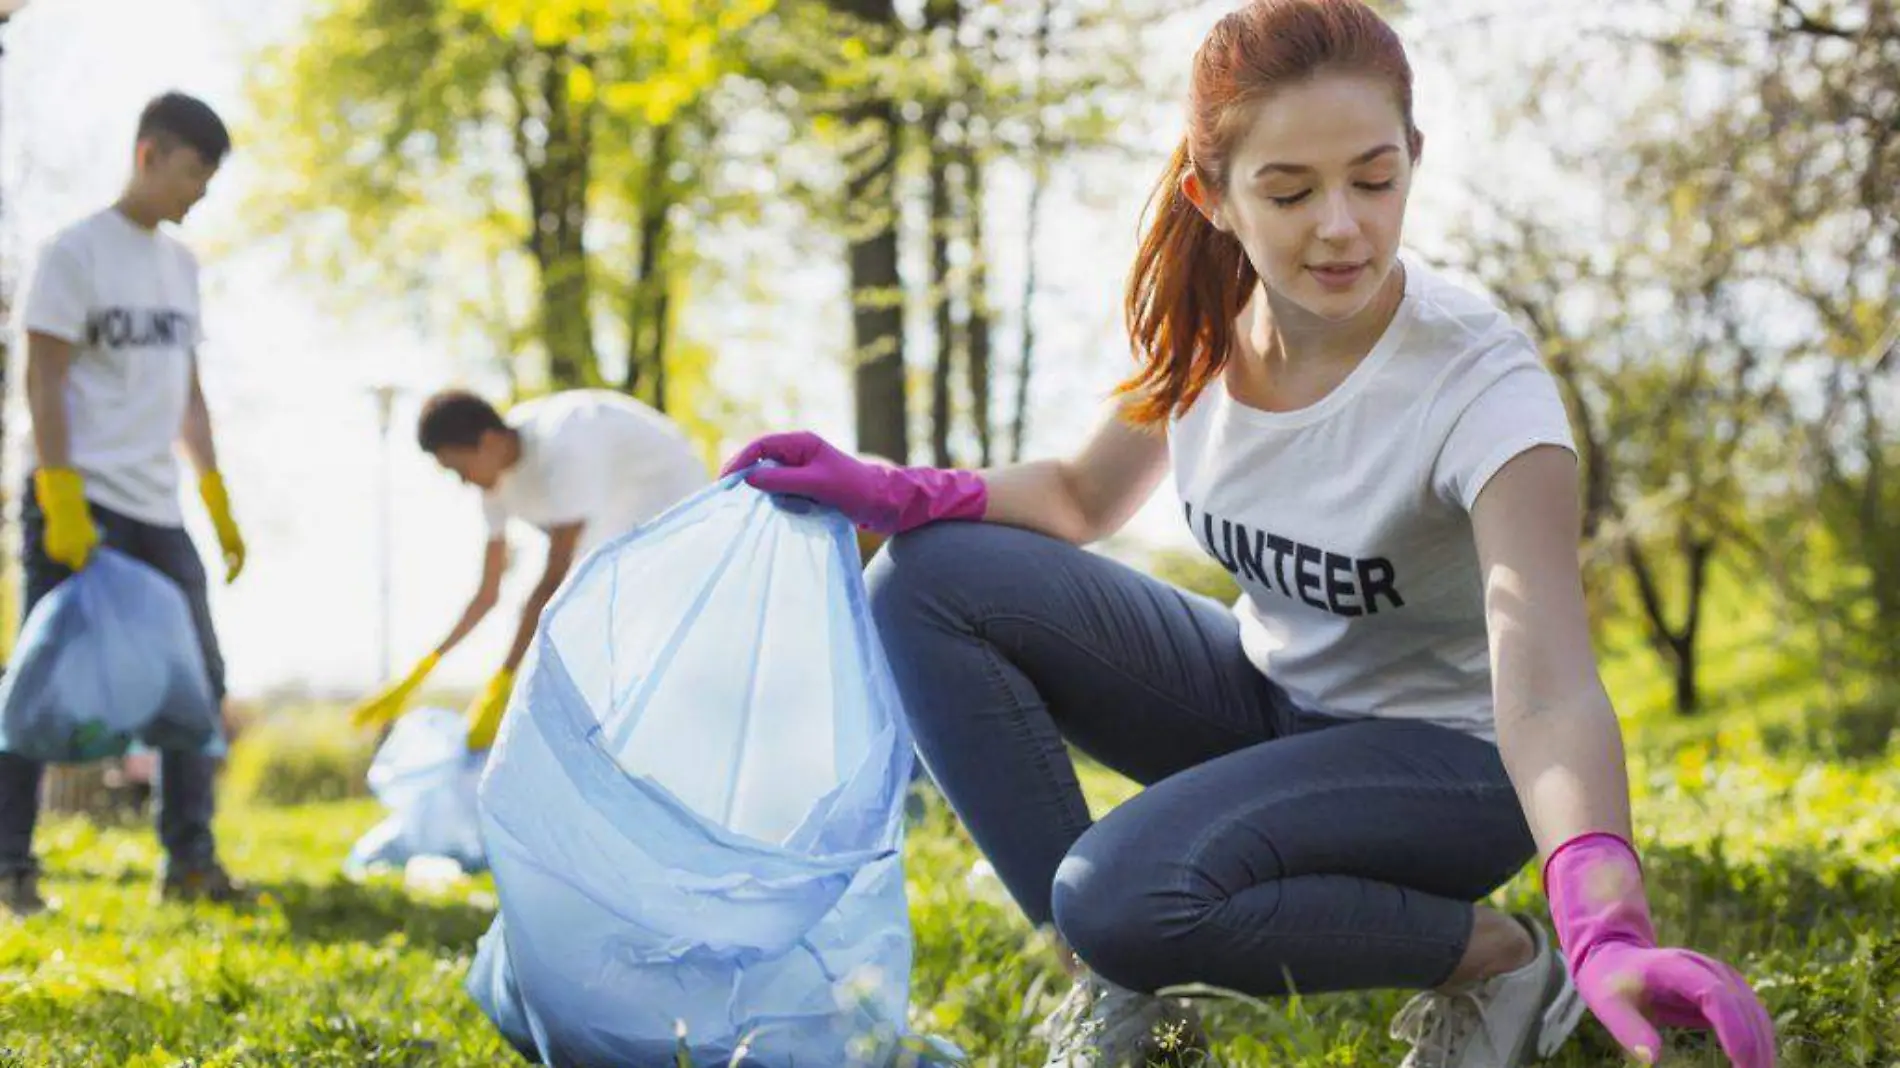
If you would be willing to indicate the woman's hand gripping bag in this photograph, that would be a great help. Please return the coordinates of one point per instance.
(426, 776)
(694, 809)
(109, 656)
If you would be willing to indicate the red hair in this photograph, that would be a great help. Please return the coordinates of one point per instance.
(1190, 280)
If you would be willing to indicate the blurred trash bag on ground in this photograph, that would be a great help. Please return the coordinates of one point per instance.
(426, 776)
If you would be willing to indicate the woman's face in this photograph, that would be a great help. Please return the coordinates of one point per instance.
(1316, 192)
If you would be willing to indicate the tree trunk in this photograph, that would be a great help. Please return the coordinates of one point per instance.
(977, 331)
(941, 19)
(1677, 645)
(648, 329)
(1684, 657)
(871, 207)
(1038, 179)
(557, 171)
(939, 289)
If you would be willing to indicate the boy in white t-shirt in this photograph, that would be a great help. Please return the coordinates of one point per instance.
(113, 325)
(581, 466)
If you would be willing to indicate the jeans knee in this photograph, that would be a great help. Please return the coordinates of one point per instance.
(1117, 923)
(912, 570)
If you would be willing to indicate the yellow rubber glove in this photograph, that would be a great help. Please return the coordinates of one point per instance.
(70, 533)
(211, 488)
(388, 705)
(484, 715)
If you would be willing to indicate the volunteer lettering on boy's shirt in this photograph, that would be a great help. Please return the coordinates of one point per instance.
(1334, 582)
(127, 299)
(136, 328)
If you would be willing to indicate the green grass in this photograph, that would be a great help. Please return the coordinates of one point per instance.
(1770, 824)
(1793, 875)
(320, 972)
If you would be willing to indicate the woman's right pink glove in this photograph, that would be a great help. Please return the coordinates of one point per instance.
(1595, 886)
(880, 499)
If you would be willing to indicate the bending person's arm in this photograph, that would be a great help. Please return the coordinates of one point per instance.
(387, 705)
(487, 594)
(562, 542)
(484, 715)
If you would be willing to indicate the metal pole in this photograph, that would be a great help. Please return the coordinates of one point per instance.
(385, 400)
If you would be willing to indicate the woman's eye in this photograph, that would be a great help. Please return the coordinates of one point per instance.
(1370, 187)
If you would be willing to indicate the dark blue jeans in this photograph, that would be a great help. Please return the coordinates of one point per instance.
(185, 779)
(1273, 849)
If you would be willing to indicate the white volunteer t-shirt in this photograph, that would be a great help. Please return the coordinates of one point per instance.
(127, 299)
(596, 457)
(1347, 523)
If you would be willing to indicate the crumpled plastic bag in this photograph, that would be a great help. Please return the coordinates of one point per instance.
(108, 657)
(694, 808)
(426, 776)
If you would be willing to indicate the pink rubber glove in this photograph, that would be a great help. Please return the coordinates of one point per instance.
(1595, 885)
(884, 500)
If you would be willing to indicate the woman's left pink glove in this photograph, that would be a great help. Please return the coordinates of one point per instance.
(1595, 886)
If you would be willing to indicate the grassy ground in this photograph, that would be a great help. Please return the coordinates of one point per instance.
(1772, 838)
(1794, 875)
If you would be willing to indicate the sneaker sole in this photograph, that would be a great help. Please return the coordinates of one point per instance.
(1560, 1017)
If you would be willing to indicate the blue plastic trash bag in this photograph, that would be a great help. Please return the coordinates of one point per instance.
(694, 808)
(108, 657)
(425, 775)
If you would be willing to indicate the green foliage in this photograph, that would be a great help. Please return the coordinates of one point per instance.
(459, 150)
(658, 56)
(1193, 571)
(538, 178)
(297, 756)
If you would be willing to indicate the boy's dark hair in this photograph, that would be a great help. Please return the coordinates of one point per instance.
(176, 119)
(455, 418)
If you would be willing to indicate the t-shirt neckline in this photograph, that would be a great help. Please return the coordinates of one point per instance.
(1368, 367)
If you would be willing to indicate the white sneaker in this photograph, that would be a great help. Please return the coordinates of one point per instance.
(1101, 1025)
(1502, 1022)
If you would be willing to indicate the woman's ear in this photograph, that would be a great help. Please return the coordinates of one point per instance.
(1196, 193)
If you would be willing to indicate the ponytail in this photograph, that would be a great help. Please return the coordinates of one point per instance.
(1184, 293)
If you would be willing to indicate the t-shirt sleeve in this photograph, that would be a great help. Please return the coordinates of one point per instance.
(574, 475)
(59, 297)
(1517, 411)
(194, 295)
(494, 517)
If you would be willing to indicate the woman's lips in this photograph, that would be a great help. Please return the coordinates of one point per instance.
(1335, 276)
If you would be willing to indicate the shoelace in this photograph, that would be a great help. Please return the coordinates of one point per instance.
(1439, 1024)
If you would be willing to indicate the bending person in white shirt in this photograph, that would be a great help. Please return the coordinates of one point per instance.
(582, 467)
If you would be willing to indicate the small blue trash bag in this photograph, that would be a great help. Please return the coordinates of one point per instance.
(694, 807)
(109, 656)
(426, 776)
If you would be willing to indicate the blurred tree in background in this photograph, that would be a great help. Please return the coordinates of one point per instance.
(1724, 327)
(473, 151)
